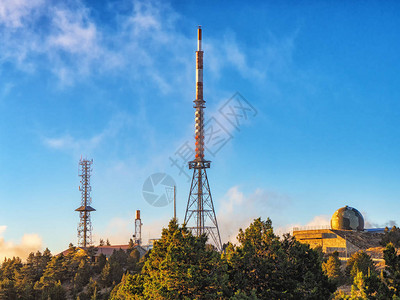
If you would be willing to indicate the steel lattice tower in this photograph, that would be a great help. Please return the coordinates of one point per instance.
(200, 214)
(85, 224)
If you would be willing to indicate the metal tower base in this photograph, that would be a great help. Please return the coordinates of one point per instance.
(200, 215)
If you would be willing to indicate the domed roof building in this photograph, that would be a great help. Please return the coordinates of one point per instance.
(347, 218)
(346, 234)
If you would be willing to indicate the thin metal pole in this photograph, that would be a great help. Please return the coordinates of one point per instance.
(174, 202)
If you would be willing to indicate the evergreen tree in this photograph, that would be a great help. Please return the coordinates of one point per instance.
(131, 287)
(391, 275)
(359, 262)
(101, 262)
(54, 292)
(180, 266)
(106, 276)
(82, 275)
(239, 295)
(358, 287)
(134, 264)
(391, 236)
(9, 268)
(7, 289)
(275, 269)
(332, 268)
(55, 272)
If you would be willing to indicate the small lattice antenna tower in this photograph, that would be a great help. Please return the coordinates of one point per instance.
(85, 224)
(138, 228)
(200, 214)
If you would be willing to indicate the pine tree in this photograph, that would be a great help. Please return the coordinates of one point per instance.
(180, 266)
(360, 262)
(106, 276)
(358, 287)
(275, 268)
(391, 275)
(101, 262)
(133, 262)
(131, 287)
(332, 268)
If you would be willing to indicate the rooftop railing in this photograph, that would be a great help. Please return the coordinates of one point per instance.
(317, 227)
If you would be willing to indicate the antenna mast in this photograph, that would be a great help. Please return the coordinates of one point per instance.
(200, 214)
(138, 228)
(85, 224)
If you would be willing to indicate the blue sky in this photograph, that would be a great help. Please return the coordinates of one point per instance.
(114, 81)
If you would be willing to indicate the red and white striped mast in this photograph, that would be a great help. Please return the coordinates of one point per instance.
(199, 102)
(200, 214)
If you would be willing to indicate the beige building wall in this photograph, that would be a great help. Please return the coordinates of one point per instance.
(327, 239)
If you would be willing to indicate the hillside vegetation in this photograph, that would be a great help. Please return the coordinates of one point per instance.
(182, 266)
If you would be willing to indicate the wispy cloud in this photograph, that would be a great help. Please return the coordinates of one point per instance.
(87, 145)
(120, 230)
(5, 89)
(15, 13)
(70, 43)
(316, 222)
(238, 210)
(369, 223)
(28, 243)
(73, 32)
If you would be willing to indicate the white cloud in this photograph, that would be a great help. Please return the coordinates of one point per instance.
(318, 222)
(3, 228)
(238, 210)
(74, 33)
(28, 243)
(87, 145)
(14, 13)
(70, 43)
(120, 230)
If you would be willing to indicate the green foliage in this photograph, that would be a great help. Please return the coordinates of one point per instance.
(131, 287)
(274, 268)
(367, 284)
(391, 236)
(133, 263)
(181, 266)
(358, 287)
(332, 269)
(65, 276)
(340, 295)
(101, 262)
(91, 292)
(359, 262)
(391, 275)
(7, 289)
(106, 276)
(82, 274)
(240, 295)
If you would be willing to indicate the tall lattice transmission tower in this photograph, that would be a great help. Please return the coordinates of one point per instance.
(85, 224)
(200, 214)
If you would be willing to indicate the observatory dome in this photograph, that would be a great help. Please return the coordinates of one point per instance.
(347, 218)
